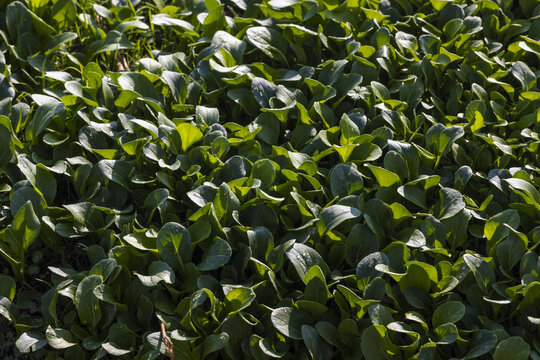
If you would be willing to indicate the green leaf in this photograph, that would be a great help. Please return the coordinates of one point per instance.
(385, 178)
(332, 71)
(365, 270)
(334, 215)
(377, 213)
(317, 347)
(446, 333)
(345, 180)
(524, 74)
(376, 344)
(303, 258)
(416, 277)
(321, 93)
(226, 202)
(7, 309)
(76, 89)
(217, 255)
(268, 40)
(215, 342)
(56, 41)
(121, 337)
(261, 242)
(270, 128)
(238, 299)
(114, 41)
(531, 296)
(138, 83)
(263, 90)
(268, 349)
(328, 332)
(462, 177)
(439, 139)
(157, 271)
(177, 235)
(526, 190)
(177, 85)
(118, 171)
(39, 176)
(189, 134)
(104, 268)
(5, 138)
(264, 170)
(17, 19)
(406, 41)
(234, 168)
(245, 99)
(429, 44)
(26, 226)
(289, 321)
(214, 21)
(482, 342)
(24, 194)
(349, 129)
(156, 199)
(280, 4)
(510, 250)
(203, 194)
(30, 342)
(380, 91)
(41, 27)
(495, 229)
(448, 312)
(167, 20)
(42, 117)
(208, 115)
(59, 338)
(484, 274)
(7, 287)
(450, 204)
(113, 349)
(316, 289)
(513, 347)
(86, 303)
(6, 90)
(233, 45)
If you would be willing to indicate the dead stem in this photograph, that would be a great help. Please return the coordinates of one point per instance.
(168, 343)
(121, 62)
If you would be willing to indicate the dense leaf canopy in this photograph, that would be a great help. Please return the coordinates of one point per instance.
(254, 179)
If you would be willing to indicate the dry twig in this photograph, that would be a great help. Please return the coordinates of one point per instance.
(121, 62)
(168, 343)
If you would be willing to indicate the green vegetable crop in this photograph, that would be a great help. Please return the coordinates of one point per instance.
(270, 179)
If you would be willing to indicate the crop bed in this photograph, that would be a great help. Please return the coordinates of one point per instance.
(283, 179)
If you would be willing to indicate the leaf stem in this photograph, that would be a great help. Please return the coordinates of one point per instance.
(437, 162)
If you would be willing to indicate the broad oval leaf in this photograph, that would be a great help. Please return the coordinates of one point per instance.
(345, 180)
(268, 40)
(448, 312)
(303, 258)
(157, 271)
(217, 255)
(289, 321)
(86, 303)
(513, 347)
(334, 215)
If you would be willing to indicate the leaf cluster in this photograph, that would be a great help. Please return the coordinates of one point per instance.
(315, 179)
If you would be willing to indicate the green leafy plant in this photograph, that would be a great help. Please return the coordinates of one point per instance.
(266, 179)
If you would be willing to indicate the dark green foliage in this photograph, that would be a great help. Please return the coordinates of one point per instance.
(270, 179)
